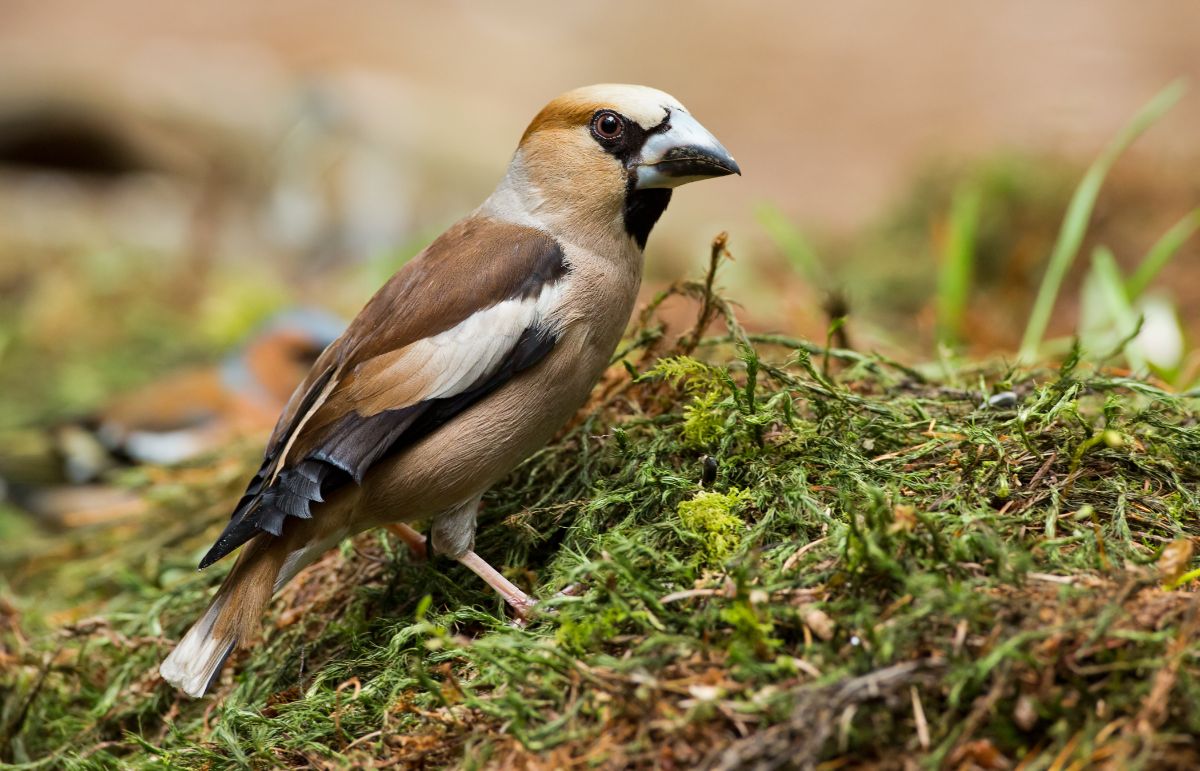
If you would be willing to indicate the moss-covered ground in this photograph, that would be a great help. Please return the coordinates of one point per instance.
(782, 556)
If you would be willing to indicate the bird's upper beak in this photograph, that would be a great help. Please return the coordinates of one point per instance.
(684, 152)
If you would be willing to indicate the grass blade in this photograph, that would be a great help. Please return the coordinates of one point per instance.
(795, 247)
(1161, 253)
(958, 264)
(1079, 213)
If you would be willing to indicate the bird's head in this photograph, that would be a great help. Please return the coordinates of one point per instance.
(609, 155)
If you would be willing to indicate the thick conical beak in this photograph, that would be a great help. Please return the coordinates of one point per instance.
(684, 152)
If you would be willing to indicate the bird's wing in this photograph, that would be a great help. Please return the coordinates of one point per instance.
(458, 321)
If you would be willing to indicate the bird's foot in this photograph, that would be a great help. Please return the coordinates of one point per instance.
(522, 615)
(522, 604)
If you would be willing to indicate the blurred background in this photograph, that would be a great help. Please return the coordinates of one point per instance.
(176, 180)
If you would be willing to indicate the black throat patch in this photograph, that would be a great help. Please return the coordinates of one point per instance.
(642, 210)
(642, 207)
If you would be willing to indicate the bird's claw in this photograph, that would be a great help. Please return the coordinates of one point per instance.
(524, 609)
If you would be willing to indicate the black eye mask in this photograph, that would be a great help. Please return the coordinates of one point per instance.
(627, 147)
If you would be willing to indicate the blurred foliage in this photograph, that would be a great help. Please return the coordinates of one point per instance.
(970, 255)
(81, 326)
(1079, 214)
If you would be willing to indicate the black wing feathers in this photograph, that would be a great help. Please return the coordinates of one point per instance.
(356, 442)
(352, 443)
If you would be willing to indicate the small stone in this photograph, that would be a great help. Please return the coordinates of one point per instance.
(819, 622)
(705, 692)
(1025, 713)
(1001, 401)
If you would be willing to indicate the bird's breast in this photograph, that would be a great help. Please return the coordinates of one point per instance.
(482, 444)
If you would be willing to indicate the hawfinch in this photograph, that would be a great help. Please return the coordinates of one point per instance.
(58, 476)
(468, 360)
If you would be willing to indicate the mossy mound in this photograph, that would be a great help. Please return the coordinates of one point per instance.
(783, 555)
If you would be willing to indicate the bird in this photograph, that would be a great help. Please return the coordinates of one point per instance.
(194, 411)
(464, 363)
(57, 473)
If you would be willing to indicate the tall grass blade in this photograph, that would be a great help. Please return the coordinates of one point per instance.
(1079, 213)
(958, 265)
(1161, 253)
(795, 247)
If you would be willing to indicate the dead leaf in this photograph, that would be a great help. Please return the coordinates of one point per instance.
(1175, 559)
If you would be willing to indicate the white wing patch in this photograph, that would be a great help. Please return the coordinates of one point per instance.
(453, 361)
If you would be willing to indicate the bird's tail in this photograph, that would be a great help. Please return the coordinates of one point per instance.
(233, 616)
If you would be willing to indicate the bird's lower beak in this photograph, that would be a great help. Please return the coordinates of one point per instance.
(685, 152)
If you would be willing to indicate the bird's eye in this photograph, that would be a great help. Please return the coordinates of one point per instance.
(608, 125)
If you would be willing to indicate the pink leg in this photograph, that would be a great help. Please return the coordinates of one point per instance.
(520, 602)
(414, 540)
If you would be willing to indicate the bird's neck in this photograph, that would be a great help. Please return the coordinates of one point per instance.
(618, 230)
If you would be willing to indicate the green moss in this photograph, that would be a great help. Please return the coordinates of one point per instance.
(682, 371)
(709, 519)
(580, 632)
(704, 419)
(752, 632)
(710, 401)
